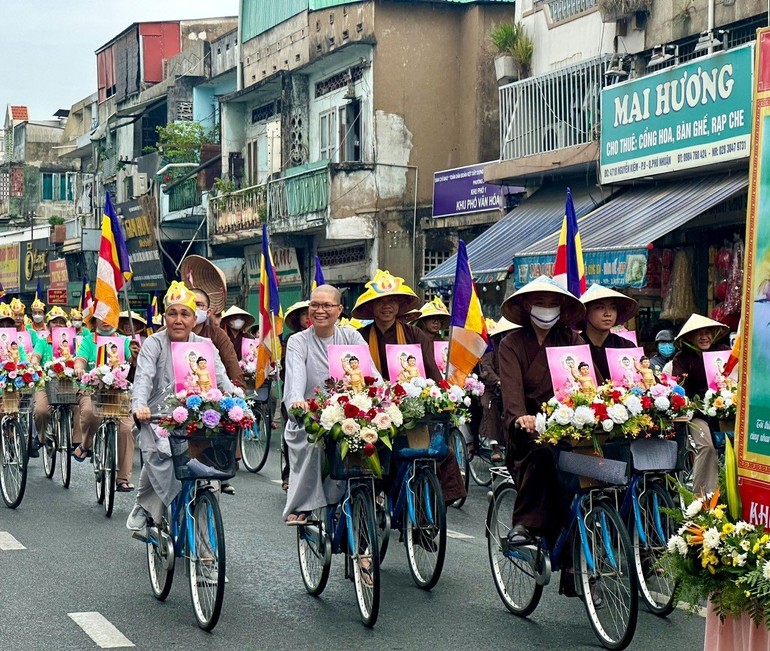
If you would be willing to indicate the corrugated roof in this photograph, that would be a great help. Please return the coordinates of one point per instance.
(644, 214)
(19, 113)
(491, 253)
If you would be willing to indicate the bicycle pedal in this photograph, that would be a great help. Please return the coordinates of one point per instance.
(140, 536)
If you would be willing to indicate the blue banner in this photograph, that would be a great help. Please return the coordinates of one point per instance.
(625, 268)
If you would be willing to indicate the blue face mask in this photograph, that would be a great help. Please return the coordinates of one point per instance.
(666, 349)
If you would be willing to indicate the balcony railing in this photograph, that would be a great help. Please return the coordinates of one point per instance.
(185, 195)
(303, 192)
(552, 111)
(562, 9)
(240, 210)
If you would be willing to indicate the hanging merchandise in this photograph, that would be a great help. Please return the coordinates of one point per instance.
(734, 288)
(679, 301)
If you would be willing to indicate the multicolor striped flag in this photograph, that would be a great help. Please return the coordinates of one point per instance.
(270, 312)
(468, 338)
(318, 278)
(568, 270)
(113, 268)
(39, 291)
(86, 304)
(735, 353)
(151, 313)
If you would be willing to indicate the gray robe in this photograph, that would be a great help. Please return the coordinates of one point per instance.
(307, 366)
(153, 381)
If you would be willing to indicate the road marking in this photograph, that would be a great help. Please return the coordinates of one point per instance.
(9, 543)
(100, 630)
(277, 481)
(458, 535)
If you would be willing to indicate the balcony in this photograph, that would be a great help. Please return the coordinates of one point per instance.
(239, 211)
(543, 116)
(300, 199)
(185, 195)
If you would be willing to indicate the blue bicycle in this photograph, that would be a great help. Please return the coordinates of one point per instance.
(346, 528)
(192, 527)
(255, 441)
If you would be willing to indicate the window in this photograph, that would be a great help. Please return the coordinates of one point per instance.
(57, 187)
(340, 133)
(328, 135)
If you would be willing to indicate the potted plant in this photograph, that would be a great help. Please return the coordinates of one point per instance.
(522, 52)
(504, 38)
(58, 230)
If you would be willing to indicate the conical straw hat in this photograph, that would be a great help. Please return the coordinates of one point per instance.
(385, 285)
(626, 305)
(513, 306)
(698, 322)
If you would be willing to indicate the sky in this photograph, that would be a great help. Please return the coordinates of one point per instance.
(47, 48)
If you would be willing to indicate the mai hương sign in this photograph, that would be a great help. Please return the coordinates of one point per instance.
(682, 117)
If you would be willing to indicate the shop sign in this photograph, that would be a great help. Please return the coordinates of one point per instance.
(57, 296)
(58, 271)
(462, 191)
(284, 259)
(9, 267)
(608, 268)
(35, 265)
(752, 435)
(143, 252)
(680, 118)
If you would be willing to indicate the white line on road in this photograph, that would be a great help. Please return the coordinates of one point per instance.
(276, 481)
(9, 543)
(458, 535)
(100, 630)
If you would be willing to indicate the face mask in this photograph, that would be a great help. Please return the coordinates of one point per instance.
(666, 349)
(200, 316)
(77, 324)
(237, 324)
(105, 333)
(37, 318)
(545, 317)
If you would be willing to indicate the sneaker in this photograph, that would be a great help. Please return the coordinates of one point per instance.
(34, 447)
(137, 519)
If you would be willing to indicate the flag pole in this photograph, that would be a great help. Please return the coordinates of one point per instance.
(448, 352)
(128, 309)
(274, 335)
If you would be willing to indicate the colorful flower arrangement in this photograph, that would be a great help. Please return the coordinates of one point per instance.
(209, 414)
(667, 400)
(248, 365)
(60, 369)
(358, 420)
(104, 377)
(719, 403)
(16, 376)
(474, 386)
(421, 399)
(720, 558)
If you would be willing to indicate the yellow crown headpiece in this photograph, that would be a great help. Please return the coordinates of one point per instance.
(37, 304)
(55, 313)
(5, 311)
(76, 314)
(178, 294)
(17, 307)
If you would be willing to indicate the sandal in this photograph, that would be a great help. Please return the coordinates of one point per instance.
(124, 487)
(497, 457)
(366, 574)
(284, 486)
(80, 450)
(228, 489)
(300, 518)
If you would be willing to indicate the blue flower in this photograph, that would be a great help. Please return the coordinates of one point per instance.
(227, 403)
(193, 402)
(240, 402)
(18, 382)
(637, 391)
(678, 390)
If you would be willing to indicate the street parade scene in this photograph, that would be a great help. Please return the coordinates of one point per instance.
(385, 324)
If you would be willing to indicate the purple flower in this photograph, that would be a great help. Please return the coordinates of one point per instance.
(162, 432)
(235, 414)
(211, 418)
(180, 415)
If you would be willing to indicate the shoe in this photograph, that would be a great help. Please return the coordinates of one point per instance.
(519, 535)
(596, 593)
(137, 519)
(227, 488)
(301, 519)
(34, 448)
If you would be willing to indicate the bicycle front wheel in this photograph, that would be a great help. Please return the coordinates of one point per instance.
(98, 459)
(110, 465)
(365, 555)
(314, 551)
(650, 538)
(64, 443)
(255, 443)
(206, 560)
(425, 529)
(160, 560)
(606, 577)
(512, 569)
(48, 450)
(480, 464)
(13, 471)
(461, 453)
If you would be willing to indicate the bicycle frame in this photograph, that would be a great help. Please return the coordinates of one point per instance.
(631, 502)
(334, 525)
(405, 494)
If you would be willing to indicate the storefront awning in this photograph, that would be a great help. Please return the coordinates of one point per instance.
(615, 237)
(491, 253)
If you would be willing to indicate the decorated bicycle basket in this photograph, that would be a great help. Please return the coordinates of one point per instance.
(17, 381)
(61, 386)
(109, 389)
(202, 429)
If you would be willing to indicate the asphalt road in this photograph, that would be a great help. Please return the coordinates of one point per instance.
(74, 560)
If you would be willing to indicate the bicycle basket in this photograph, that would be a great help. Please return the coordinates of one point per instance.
(353, 465)
(111, 404)
(61, 392)
(427, 440)
(9, 403)
(25, 400)
(654, 454)
(203, 457)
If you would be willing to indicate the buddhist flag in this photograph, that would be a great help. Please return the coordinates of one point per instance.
(151, 313)
(113, 268)
(318, 278)
(568, 270)
(39, 291)
(468, 338)
(270, 313)
(86, 305)
(735, 354)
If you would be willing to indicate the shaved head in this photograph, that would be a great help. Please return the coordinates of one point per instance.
(327, 289)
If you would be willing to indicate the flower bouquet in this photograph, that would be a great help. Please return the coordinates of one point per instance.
(60, 382)
(16, 377)
(109, 390)
(421, 400)
(474, 386)
(719, 403)
(60, 369)
(722, 559)
(358, 422)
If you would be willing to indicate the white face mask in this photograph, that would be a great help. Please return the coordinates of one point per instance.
(200, 316)
(545, 318)
(77, 324)
(237, 324)
(37, 318)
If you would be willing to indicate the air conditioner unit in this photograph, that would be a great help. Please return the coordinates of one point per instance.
(141, 184)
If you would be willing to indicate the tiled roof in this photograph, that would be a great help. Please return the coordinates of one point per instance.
(19, 113)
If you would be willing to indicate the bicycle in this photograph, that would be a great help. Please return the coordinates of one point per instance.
(415, 502)
(110, 406)
(480, 462)
(13, 452)
(62, 394)
(460, 448)
(192, 527)
(601, 551)
(255, 442)
(348, 528)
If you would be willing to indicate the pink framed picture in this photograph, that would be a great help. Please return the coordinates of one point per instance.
(624, 364)
(193, 366)
(714, 362)
(405, 362)
(249, 348)
(110, 351)
(351, 364)
(627, 334)
(25, 341)
(440, 354)
(63, 343)
(9, 345)
(572, 370)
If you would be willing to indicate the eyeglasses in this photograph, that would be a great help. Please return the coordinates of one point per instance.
(326, 307)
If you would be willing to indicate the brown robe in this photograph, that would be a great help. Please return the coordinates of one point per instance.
(688, 368)
(491, 416)
(599, 356)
